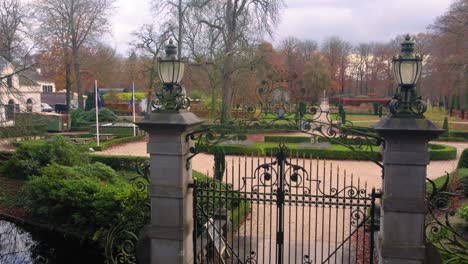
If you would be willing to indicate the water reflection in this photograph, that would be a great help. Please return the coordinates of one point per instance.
(21, 246)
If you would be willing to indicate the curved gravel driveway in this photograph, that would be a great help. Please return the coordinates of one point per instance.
(365, 170)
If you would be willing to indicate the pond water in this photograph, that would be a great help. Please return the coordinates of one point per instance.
(19, 245)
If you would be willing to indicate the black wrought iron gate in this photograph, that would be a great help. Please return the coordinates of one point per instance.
(279, 209)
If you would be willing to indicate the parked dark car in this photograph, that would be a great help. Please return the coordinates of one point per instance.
(61, 108)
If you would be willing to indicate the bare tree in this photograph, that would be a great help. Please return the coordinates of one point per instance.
(149, 45)
(77, 22)
(240, 24)
(13, 16)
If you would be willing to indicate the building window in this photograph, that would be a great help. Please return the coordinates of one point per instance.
(29, 105)
(9, 82)
(46, 88)
(10, 110)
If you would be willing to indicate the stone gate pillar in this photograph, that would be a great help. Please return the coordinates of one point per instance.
(405, 158)
(170, 231)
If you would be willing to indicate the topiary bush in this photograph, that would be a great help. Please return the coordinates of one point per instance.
(33, 155)
(219, 164)
(445, 127)
(463, 161)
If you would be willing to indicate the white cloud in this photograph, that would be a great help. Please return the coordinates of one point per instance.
(353, 20)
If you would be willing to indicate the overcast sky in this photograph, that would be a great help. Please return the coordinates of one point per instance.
(353, 20)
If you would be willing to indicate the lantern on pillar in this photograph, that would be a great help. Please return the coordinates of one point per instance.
(171, 70)
(407, 68)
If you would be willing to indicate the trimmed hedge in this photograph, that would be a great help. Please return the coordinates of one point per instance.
(452, 139)
(356, 130)
(338, 152)
(436, 151)
(459, 134)
(23, 130)
(463, 162)
(107, 144)
(442, 152)
(287, 139)
(118, 162)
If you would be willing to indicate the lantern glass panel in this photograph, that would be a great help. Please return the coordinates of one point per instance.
(171, 71)
(408, 71)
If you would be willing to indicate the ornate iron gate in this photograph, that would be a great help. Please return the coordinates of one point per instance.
(279, 209)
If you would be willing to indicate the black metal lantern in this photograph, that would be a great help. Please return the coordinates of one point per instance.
(171, 69)
(407, 68)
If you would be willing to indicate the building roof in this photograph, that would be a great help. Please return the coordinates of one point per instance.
(24, 80)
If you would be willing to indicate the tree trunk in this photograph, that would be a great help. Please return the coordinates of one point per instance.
(181, 29)
(79, 88)
(228, 62)
(227, 89)
(66, 57)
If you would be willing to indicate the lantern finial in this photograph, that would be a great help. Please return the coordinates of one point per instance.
(171, 49)
(407, 46)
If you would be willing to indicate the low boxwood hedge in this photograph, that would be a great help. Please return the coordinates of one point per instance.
(268, 149)
(286, 139)
(106, 144)
(436, 151)
(442, 152)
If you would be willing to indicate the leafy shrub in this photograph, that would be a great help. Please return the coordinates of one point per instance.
(462, 174)
(463, 161)
(79, 198)
(80, 116)
(119, 162)
(463, 212)
(33, 155)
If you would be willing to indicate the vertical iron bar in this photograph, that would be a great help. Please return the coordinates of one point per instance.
(323, 206)
(330, 200)
(239, 200)
(358, 208)
(344, 218)
(337, 208)
(372, 227)
(366, 204)
(350, 219)
(264, 198)
(316, 209)
(270, 207)
(280, 205)
(194, 193)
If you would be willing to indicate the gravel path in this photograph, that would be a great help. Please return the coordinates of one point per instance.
(365, 170)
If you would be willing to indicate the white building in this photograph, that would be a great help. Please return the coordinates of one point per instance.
(19, 93)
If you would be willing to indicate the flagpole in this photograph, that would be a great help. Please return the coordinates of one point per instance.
(96, 99)
(133, 106)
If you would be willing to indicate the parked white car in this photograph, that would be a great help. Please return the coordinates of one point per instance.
(46, 108)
